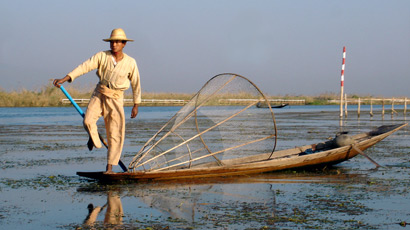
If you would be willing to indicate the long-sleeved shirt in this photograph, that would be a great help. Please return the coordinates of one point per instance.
(117, 77)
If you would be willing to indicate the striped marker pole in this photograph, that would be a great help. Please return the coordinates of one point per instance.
(342, 79)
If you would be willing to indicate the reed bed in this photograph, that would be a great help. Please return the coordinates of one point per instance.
(50, 96)
(47, 96)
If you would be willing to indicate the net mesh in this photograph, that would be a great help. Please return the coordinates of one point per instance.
(220, 122)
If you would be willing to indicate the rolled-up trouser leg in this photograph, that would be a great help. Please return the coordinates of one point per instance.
(115, 127)
(94, 111)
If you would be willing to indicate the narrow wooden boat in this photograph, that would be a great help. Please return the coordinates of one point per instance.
(304, 156)
(265, 105)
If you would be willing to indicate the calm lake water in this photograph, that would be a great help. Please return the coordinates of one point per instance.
(43, 148)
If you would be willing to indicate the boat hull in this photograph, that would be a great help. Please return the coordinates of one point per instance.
(280, 160)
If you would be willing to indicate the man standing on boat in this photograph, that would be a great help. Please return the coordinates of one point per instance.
(116, 72)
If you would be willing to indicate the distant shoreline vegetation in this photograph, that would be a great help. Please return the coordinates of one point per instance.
(50, 96)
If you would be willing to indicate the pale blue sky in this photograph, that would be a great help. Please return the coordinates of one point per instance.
(285, 47)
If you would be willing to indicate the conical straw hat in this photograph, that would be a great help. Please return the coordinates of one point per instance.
(118, 35)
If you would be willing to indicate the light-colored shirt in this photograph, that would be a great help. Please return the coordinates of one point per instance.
(117, 77)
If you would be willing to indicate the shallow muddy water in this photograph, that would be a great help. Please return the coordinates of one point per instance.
(43, 148)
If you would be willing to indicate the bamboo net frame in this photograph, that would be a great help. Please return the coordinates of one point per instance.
(185, 126)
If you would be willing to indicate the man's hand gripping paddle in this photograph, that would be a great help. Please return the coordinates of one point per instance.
(90, 143)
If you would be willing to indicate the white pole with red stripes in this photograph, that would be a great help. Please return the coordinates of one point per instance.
(342, 79)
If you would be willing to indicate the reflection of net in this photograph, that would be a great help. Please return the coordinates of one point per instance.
(220, 122)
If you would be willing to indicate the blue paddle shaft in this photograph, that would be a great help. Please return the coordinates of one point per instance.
(79, 110)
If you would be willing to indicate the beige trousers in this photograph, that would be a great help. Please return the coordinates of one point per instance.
(109, 104)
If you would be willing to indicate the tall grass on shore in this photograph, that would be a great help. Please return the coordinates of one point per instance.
(47, 96)
(50, 96)
(160, 96)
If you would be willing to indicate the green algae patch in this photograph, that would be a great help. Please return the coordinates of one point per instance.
(58, 182)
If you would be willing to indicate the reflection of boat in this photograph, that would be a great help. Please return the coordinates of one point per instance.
(265, 105)
(304, 156)
(191, 201)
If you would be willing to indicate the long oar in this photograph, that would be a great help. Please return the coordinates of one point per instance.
(80, 111)
(365, 155)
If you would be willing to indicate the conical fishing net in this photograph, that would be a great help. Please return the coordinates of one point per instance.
(219, 123)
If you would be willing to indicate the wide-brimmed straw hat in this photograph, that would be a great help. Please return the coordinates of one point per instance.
(118, 35)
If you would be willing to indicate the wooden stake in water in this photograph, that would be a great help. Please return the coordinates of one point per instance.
(358, 107)
(383, 107)
(392, 107)
(371, 107)
(405, 105)
(346, 105)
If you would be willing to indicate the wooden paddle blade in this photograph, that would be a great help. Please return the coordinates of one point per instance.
(90, 144)
(123, 167)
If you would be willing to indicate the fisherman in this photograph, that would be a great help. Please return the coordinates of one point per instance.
(116, 72)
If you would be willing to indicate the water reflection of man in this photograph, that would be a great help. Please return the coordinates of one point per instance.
(92, 214)
(114, 212)
(113, 215)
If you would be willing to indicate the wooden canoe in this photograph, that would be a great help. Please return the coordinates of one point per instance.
(280, 160)
(264, 105)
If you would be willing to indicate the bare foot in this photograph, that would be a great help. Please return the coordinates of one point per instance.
(108, 169)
